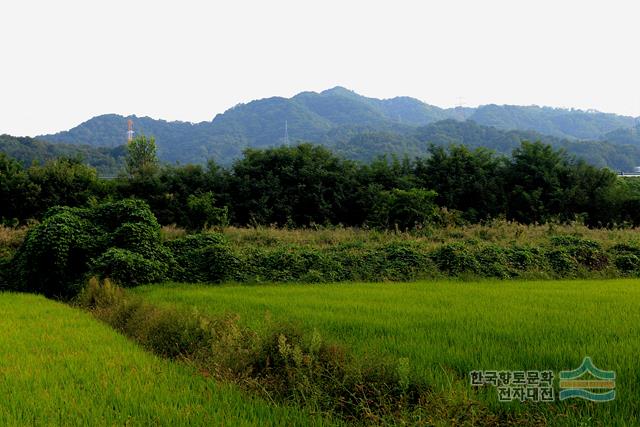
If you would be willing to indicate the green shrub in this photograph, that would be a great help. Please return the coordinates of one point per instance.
(493, 262)
(218, 263)
(204, 257)
(625, 248)
(204, 213)
(628, 263)
(403, 261)
(128, 268)
(137, 237)
(455, 259)
(522, 258)
(171, 333)
(112, 215)
(403, 209)
(55, 254)
(561, 262)
(5, 264)
(587, 253)
(282, 264)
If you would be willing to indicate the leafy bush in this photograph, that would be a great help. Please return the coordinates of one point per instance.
(4, 273)
(493, 261)
(112, 215)
(625, 248)
(587, 253)
(128, 268)
(403, 261)
(56, 255)
(404, 209)
(205, 257)
(204, 213)
(522, 258)
(628, 263)
(455, 259)
(561, 262)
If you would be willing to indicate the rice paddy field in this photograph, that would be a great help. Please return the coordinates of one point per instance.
(447, 329)
(60, 366)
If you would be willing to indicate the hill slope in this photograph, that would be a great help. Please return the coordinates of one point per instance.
(28, 150)
(335, 116)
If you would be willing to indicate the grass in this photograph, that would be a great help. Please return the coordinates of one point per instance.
(498, 231)
(10, 239)
(59, 366)
(447, 329)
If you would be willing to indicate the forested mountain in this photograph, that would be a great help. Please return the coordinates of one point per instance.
(562, 123)
(361, 128)
(107, 161)
(630, 136)
(366, 146)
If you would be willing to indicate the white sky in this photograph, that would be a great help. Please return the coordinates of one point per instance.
(62, 62)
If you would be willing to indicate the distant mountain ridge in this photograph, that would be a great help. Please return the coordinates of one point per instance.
(27, 151)
(334, 117)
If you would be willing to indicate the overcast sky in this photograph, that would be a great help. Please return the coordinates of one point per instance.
(64, 61)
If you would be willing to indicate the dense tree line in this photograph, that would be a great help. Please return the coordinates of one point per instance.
(307, 184)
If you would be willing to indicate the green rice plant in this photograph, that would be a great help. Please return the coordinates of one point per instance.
(59, 366)
(445, 329)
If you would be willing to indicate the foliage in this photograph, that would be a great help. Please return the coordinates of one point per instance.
(308, 186)
(142, 160)
(203, 213)
(280, 362)
(27, 151)
(301, 185)
(362, 128)
(446, 328)
(455, 259)
(118, 238)
(203, 257)
(62, 366)
(55, 254)
(470, 182)
(403, 209)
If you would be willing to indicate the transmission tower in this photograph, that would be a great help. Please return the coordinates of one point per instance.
(286, 134)
(130, 131)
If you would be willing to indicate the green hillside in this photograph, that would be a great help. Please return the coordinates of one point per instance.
(362, 128)
(28, 150)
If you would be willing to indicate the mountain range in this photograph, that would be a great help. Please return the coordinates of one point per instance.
(361, 128)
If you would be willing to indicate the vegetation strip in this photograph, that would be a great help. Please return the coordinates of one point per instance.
(445, 329)
(284, 365)
(122, 240)
(59, 366)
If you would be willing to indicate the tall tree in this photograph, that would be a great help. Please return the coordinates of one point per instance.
(142, 158)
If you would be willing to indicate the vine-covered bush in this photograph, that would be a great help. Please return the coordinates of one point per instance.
(205, 257)
(55, 254)
(70, 242)
(455, 259)
(128, 268)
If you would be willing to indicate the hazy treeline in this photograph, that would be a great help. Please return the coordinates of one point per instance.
(306, 184)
